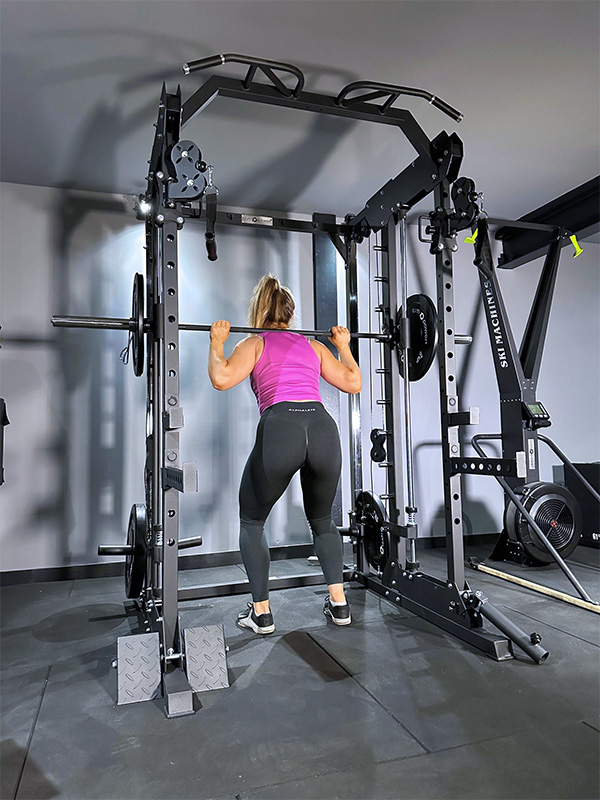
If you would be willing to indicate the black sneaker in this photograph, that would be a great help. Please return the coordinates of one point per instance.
(259, 623)
(339, 614)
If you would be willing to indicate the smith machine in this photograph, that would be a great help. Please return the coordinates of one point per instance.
(181, 662)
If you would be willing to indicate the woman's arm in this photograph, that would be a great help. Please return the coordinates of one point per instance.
(227, 372)
(345, 373)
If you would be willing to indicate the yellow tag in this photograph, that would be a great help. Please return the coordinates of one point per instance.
(471, 239)
(575, 243)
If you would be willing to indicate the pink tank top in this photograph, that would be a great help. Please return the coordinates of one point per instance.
(287, 370)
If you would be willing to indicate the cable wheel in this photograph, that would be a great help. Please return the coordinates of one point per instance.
(557, 513)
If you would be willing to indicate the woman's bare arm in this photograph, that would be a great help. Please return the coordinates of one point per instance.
(345, 373)
(224, 373)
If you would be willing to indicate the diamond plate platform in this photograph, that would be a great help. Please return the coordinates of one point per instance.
(205, 658)
(138, 668)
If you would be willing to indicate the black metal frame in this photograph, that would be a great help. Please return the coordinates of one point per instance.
(577, 210)
(517, 370)
(517, 373)
(451, 604)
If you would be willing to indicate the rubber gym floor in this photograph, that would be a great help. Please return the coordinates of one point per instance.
(389, 707)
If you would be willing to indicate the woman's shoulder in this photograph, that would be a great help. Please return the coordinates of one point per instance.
(251, 344)
(317, 347)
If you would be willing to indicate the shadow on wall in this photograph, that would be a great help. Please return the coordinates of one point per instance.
(111, 130)
(477, 517)
(91, 384)
(278, 183)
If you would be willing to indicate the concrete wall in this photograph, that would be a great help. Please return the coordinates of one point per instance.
(74, 449)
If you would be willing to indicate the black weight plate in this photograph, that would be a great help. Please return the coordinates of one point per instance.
(558, 515)
(137, 314)
(371, 512)
(135, 564)
(421, 313)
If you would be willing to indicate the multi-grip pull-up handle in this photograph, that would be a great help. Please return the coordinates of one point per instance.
(393, 92)
(267, 67)
(374, 89)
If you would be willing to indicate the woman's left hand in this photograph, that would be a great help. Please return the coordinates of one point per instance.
(219, 331)
(340, 336)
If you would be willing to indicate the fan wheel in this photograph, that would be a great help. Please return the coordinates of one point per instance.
(556, 512)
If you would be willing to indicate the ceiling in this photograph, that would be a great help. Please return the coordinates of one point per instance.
(80, 82)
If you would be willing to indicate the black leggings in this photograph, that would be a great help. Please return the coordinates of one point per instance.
(291, 437)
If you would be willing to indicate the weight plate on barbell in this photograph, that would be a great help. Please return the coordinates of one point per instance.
(370, 511)
(135, 564)
(137, 314)
(421, 313)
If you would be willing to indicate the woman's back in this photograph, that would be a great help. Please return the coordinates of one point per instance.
(288, 370)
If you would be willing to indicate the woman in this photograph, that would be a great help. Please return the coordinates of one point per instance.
(294, 433)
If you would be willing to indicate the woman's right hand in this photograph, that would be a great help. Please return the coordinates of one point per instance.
(340, 336)
(219, 331)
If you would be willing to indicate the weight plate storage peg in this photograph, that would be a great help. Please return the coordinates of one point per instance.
(137, 324)
(556, 512)
(135, 560)
(371, 512)
(421, 314)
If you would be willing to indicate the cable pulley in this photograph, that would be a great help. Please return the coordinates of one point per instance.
(186, 166)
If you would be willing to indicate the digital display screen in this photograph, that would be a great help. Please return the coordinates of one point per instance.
(537, 410)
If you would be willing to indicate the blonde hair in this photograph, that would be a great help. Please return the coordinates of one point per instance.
(272, 305)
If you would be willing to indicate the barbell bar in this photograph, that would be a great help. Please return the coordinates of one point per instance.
(122, 324)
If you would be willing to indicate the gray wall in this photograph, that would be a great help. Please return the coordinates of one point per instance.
(74, 449)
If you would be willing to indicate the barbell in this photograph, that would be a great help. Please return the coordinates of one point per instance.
(423, 343)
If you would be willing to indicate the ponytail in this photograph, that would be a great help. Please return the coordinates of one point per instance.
(272, 305)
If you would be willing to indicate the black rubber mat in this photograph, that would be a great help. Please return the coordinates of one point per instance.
(388, 707)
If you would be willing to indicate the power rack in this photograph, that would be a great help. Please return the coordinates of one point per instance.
(180, 189)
